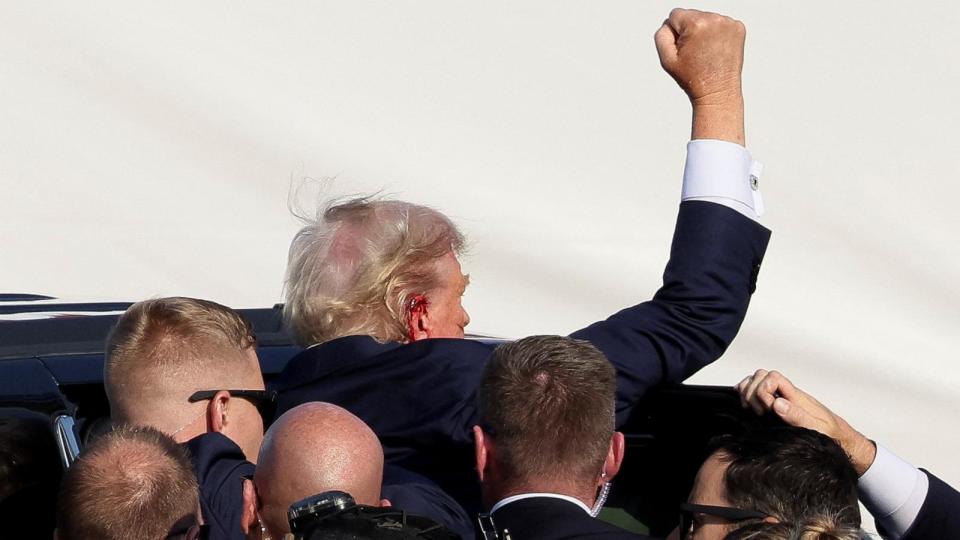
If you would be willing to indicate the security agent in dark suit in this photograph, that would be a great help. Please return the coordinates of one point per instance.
(373, 287)
(908, 503)
(546, 449)
(189, 368)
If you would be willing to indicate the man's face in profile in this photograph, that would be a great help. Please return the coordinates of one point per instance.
(446, 307)
(708, 490)
(247, 431)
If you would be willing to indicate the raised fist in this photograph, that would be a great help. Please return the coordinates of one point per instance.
(703, 52)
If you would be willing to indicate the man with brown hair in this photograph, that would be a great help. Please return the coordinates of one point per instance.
(189, 368)
(546, 445)
(130, 483)
(907, 503)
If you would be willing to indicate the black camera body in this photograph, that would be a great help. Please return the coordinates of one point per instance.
(334, 514)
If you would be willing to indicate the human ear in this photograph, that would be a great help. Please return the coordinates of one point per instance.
(480, 448)
(611, 465)
(418, 318)
(217, 412)
(248, 515)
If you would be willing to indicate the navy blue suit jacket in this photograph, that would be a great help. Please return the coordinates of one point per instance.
(220, 467)
(939, 517)
(419, 397)
(418, 495)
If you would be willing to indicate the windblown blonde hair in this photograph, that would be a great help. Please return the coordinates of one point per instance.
(353, 269)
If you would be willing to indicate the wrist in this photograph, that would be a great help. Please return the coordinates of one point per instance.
(716, 117)
(862, 452)
(729, 96)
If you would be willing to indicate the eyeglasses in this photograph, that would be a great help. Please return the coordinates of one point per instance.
(264, 400)
(688, 510)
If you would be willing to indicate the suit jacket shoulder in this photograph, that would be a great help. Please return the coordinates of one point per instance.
(418, 495)
(220, 467)
(547, 518)
(939, 517)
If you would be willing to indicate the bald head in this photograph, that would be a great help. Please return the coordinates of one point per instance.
(131, 483)
(313, 448)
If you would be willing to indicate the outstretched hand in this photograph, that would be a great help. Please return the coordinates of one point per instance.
(703, 52)
(771, 391)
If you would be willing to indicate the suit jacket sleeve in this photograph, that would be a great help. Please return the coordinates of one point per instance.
(712, 271)
(220, 467)
(938, 518)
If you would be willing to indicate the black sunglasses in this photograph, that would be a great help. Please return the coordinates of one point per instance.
(688, 510)
(264, 400)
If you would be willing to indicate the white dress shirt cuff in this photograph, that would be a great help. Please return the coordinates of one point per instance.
(724, 173)
(893, 491)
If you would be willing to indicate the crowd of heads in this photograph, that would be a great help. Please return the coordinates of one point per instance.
(177, 368)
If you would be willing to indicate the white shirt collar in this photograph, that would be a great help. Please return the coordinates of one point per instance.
(508, 500)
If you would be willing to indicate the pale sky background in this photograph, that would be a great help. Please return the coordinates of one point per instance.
(149, 150)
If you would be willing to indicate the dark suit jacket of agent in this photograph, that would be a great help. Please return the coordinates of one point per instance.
(420, 397)
(939, 517)
(418, 495)
(220, 467)
(545, 518)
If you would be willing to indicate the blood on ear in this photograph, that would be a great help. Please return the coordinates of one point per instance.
(416, 307)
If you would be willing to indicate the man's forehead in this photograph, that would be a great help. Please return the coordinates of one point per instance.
(708, 487)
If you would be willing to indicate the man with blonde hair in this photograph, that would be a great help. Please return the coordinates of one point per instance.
(381, 268)
(372, 283)
(130, 483)
(189, 368)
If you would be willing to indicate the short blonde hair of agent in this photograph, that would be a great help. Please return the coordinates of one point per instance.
(172, 341)
(355, 267)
